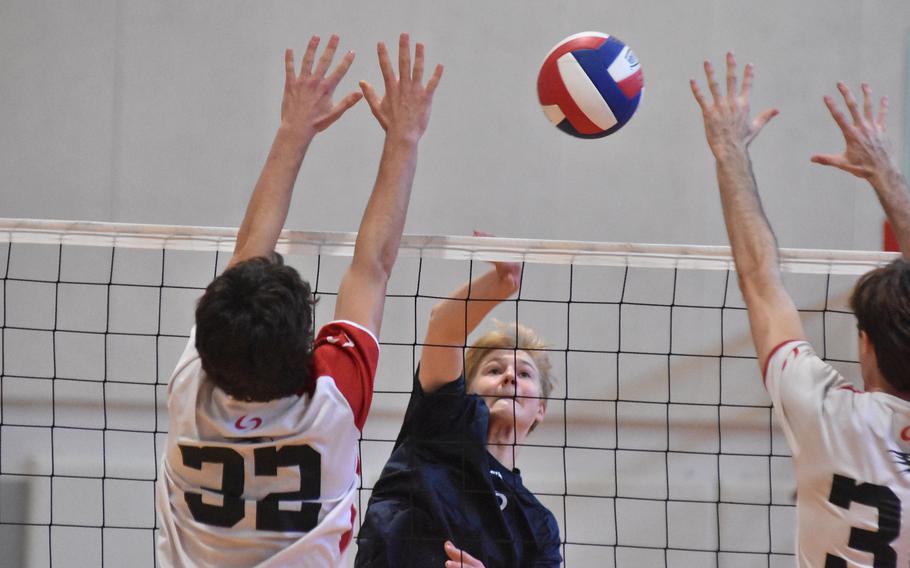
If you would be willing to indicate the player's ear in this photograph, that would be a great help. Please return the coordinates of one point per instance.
(865, 344)
(541, 411)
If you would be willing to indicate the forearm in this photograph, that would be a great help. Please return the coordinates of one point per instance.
(456, 317)
(891, 189)
(380, 230)
(268, 206)
(752, 241)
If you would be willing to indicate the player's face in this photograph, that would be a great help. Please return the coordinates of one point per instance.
(509, 383)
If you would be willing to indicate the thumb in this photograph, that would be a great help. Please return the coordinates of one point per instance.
(339, 109)
(763, 118)
(825, 159)
(840, 163)
(369, 94)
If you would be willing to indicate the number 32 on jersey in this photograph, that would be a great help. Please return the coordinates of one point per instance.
(269, 515)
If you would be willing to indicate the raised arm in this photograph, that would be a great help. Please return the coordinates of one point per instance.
(730, 129)
(403, 113)
(868, 156)
(453, 319)
(306, 108)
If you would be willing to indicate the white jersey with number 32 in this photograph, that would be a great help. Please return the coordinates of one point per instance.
(266, 483)
(852, 455)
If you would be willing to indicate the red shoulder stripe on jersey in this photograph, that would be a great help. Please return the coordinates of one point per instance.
(764, 372)
(349, 355)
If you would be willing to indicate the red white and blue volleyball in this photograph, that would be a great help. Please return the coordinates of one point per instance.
(590, 85)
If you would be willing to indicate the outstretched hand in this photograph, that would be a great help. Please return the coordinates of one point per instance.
(459, 558)
(728, 124)
(868, 150)
(404, 110)
(509, 272)
(306, 106)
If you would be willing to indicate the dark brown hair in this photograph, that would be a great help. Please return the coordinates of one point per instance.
(881, 303)
(254, 330)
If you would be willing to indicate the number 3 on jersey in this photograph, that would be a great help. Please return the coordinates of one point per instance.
(845, 491)
(269, 516)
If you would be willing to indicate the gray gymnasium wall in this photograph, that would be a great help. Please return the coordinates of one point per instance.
(163, 111)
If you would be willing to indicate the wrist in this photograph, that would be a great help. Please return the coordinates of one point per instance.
(886, 176)
(402, 138)
(726, 151)
(295, 135)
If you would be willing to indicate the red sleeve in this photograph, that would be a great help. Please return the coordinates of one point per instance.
(348, 353)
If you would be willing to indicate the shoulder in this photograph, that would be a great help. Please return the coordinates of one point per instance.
(342, 347)
(347, 335)
(188, 357)
(446, 422)
(348, 354)
(187, 379)
(794, 369)
(448, 404)
(783, 355)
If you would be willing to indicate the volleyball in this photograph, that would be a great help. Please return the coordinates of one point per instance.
(590, 85)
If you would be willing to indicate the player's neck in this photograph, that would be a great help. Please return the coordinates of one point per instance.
(501, 444)
(888, 389)
(504, 453)
(877, 383)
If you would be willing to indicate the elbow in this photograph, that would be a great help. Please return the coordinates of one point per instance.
(760, 286)
(760, 268)
(374, 269)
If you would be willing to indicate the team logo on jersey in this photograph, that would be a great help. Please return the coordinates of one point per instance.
(340, 339)
(903, 459)
(251, 424)
(905, 434)
(503, 500)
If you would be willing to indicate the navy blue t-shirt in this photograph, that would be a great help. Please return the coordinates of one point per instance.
(440, 483)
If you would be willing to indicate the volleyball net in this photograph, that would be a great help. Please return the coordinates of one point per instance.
(659, 447)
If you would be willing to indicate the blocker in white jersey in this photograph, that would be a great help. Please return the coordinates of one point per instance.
(266, 483)
(851, 450)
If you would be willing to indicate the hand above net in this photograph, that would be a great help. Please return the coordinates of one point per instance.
(404, 110)
(868, 149)
(306, 106)
(509, 272)
(728, 124)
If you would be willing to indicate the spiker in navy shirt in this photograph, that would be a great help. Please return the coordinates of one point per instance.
(441, 483)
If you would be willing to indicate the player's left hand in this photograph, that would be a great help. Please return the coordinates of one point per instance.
(459, 558)
(728, 124)
(306, 107)
(868, 151)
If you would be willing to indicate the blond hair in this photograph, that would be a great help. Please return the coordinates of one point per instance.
(511, 336)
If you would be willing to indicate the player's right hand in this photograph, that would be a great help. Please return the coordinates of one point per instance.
(306, 107)
(509, 272)
(404, 110)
